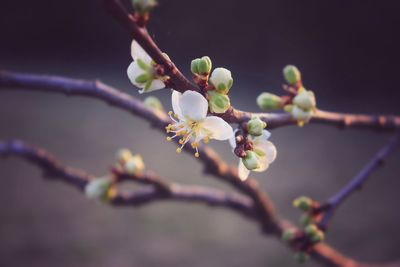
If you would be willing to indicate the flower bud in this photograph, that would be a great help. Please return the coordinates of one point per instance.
(218, 103)
(303, 203)
(134, 165)
(301, 257)
(292, 74)
(97, 188)
(305, 100)
(255, 126)
(143, 6)
(222, 80)
(300, 114)
(311, 229)
(267, 101)
(123, 155)
(153, 102)
(288, 235)
(251, 160)
(201, 66)
(317, 237)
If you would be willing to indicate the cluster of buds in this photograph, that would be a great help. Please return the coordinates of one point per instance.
(251, 145)
(303, 239)
(299, 101)
(128, 163)
(217, 84)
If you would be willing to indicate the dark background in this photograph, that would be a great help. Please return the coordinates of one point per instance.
(348, 52)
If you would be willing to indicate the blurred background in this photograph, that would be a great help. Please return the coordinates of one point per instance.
(348, 52)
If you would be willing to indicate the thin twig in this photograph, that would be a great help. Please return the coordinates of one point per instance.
(357, 181)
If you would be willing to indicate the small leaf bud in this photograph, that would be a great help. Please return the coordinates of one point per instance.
(97, 188)
(255, 126)
(268, 101)
(305, 100)
(134, 165)
(288, 234)
(292, 74)
(303, 203)
(218, 103)
(221, 79)
(251, 160)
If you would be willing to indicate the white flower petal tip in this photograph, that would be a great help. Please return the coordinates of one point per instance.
(243, 172)
(191, 124)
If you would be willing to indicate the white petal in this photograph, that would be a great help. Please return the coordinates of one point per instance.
(133, 72)
(138, 52)
(155, 85)
(176, 96)
(264, 164)
(193, 106)
(218, 128)
(232, 139)
(269, 149)
(243, 171)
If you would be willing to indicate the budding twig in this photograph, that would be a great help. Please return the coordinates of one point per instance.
(357, 181)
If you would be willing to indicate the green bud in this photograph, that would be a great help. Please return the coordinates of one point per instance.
(267, 101)
(123, 155)
(305, 219)
(251, 160)
(301, 257)
(204, 65)
(153, 102)
(288, 235)
(311, 229)
(134, 165)
(222, 80)
(256, 126)
(218, 103)
(194, 66)
(143, 6)
(98, 188)
(288, 108)
(318, 237)
(305, 100)
(303, 203)
(292, 74)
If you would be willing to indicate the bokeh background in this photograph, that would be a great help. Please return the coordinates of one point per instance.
(348, 52)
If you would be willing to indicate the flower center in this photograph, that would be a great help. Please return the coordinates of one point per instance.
(186, 130)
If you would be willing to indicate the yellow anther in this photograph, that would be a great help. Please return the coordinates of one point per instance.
(176, 116)
(197, 154)
(206, 140)
(181, 126)
(181, 141)
(168, 139)
(300, 123)
(178, 150)
(195, 144)
(182, 132)
(170, 113)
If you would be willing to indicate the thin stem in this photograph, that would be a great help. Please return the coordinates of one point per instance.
(357, 181)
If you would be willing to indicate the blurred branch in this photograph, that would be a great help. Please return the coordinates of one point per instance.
(117, 98)
(53, 169)
(357, 182)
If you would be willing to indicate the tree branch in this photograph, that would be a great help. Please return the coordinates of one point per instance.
(357, 181)
(53, 169)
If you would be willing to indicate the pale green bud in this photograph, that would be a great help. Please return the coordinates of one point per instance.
(143, 6)
(301, 257)
(201, 66)
(221, 79)
(288, 108)
(303, 203)
(267, 101)
(305, 100)
(300, 114)
(123, 155)
(317, 237)
(97, 188)
(194, 66)
(288, 235)
(153, 102)
(134, 165)
(292, 74)
(251, 160)
(311, 229)
(256, 126)
(218, 103)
